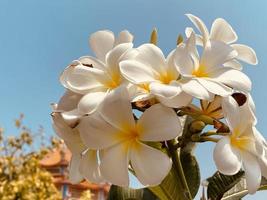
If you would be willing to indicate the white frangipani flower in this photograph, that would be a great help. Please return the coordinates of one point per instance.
(122, 140)
(222, 31)
(154, 76)
(95, 77)
(84, 162)
(261, 146)
(205, 76)
(67, 106)
(241, 147)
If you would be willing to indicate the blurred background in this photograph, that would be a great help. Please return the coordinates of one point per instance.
(39, 38)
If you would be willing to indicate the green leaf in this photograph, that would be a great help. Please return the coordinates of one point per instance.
(191, 172)
(170, 188)
(188, 160)
(122, 193)
(240, 190)
(219, 184)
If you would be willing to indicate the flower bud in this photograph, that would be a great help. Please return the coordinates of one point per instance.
(154, 37)
(180, 39)
(197, 126)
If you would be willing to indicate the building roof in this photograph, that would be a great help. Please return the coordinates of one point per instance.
(60, 157)
(56, 157)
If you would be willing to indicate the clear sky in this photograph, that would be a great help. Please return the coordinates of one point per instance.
(39, 38)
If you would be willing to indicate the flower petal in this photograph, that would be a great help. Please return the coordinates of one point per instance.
(246, 54)
(238, 117)
(232, 78)
(231, 112)
(252, 172)
(71, 136)
(192, 48)
(263, 166)
(164, 90)
(90, 102)
(180, 100)
(71, 117)
(151, 56)
(101, 43)
(151, 166)
(188, 32)
(247, 111)
(90, 61)
(234, 64)
(96, 133)
(215, 87)
(194, 88)
(171, 67)
(152, 124)
(89, 167)
(124, 37)
(114, 56)
(73, 79)
(221, 30)
(261, 145)
(114, 164)
(216, 54)
(138, 93)
(116, 109)
(200, 26)
(183, 61)
(213, 105)
(227, 159)
(68, 101)
(74, 175)
(95, 74)
(136, 72)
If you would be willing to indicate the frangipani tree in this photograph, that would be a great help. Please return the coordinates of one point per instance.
(99, 115)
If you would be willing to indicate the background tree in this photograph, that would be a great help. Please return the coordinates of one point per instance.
(86, 195)
(21, 176)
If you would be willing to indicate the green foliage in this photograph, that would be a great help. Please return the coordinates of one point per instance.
(86, 195)
(191, 172)
(229, 187)
(239, 190)
(170, 188)
(21, 177)
(120, 193)
(219, 184)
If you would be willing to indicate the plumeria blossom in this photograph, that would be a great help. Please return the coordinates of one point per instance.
(205, 75)
(95, 77)
(154, 76)
(84, 162)
(210, 108)
(109, 142)
(122, 140)
(222, 31)
(214, 108)
(243, 147)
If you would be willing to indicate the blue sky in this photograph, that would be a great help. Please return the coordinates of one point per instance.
(38, 38)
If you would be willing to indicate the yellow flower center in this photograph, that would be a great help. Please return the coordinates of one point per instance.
(129, 134)
(145, 86)
(114, 82)
(201, 71)
(130, 137)
(240, 142)
(167, 77)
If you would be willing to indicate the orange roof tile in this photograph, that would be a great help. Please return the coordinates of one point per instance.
(56, 157)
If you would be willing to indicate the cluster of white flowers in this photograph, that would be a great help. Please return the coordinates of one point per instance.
(96, 119)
